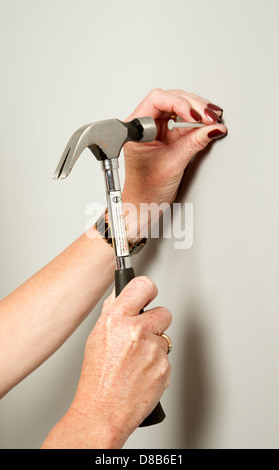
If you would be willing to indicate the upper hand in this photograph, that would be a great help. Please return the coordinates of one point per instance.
(153, 171)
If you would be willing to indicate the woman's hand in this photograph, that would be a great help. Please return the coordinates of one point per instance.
(124, 374)
(153, 171)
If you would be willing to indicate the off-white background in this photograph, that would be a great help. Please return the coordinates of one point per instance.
(65, 63)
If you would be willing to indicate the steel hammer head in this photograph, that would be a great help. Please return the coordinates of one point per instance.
(105, 140)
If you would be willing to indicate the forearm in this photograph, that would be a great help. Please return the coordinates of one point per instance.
(41, 314)
(74, 431)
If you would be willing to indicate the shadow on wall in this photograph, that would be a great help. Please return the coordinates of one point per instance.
(193, 392)
(193, 395)
(191, 170)
(151, 250)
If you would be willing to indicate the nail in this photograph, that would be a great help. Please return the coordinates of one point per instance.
(214, 107)
(195, 115)
(211, 115)
(172, 124)
(216, 134)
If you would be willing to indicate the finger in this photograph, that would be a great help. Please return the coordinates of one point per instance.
(195, 98)
(136, 295)
(195, 141)
(163, 343)
(160, 103)
(216, 109)
(207, 103)
(157, 319)
(200, 102)
(208, 112)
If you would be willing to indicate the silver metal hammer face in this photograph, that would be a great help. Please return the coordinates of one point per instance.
(105, 140)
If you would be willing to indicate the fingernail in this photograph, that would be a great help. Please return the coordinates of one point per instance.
(216, 134)
(214, 107)
(211, 115)
(195, 115)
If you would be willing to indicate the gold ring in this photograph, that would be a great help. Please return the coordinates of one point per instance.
(169, 342)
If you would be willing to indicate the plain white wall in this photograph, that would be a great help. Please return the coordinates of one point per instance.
(66, 63)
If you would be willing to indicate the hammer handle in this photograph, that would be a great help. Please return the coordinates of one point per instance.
(122, 277)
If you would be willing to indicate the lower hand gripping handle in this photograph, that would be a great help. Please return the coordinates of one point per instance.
(122, 277)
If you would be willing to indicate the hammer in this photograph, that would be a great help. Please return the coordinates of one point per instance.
(105, 139)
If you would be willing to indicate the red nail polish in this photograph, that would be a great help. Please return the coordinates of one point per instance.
(195, 115)
(216, 134)
(211, 115)
(214, 107)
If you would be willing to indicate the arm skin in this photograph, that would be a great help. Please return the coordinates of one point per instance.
(43, 312)
(124, 373)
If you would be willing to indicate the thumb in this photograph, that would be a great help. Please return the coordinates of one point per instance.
(138, 293)
(196, 140)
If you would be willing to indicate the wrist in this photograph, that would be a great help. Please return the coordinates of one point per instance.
(137, 220)
(94, 432)
(96, 423)
(142, 214)
(80, 430)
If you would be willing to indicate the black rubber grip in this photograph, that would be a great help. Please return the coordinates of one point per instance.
(122, 277)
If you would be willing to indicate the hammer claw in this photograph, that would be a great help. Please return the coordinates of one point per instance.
(105, 140)
(73, 149)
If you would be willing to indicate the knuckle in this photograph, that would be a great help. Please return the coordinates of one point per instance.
(89, 341)
(136, 333)
(167, 313)
(156, 91)
(120, 308)
(166, 364)
(168, 377)
(153, 351)
(167, 382)
(123, 309)
(175, 90)
(106, 302)
(145, 281)
(164, 317)
(169, 369)
(108, 322)
(153, 359)
(165, 367)
(106, 307)
(162, 370)
(197, 143)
